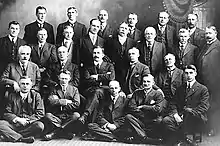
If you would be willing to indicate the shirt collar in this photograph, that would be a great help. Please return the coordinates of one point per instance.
(172, 68)
(210, 42)
(147, 91)
(39, 22)
(184, 45)
(191, 83)
(192, 30)
(147, 42)
(23, 95)
(12, 38)
(98, 63)
(114, 98)
(21, 64)
(72, 22)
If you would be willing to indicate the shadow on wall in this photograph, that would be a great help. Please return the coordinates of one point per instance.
(23, 11)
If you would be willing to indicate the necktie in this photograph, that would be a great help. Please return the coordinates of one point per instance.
(188, 88)
(41, 25)
(24, 70)
(63, 89)
(62, 65)
(149, 46)
(93, 39)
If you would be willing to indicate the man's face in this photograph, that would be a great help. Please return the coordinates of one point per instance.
(184, 37)
(163, 19)
(123, 30)
(95, 26)
(14, 30)
(42, 36)
(72, 14)
(98, 54)
(191, 20)
(25, 85)
(132, 20)
(150, 35)
(68, 33)
(24, 55)
(147, 82)
(169, 60)
(41, 15)
(103, 16)
(114, 88)
(62, 53)
(210, 34)
(133, 55)
(64, 79)
(190, 74)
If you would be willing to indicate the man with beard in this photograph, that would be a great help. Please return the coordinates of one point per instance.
(105, 29)
(79, 29)
(30, 35)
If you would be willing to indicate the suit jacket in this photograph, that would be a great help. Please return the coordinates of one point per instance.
(34, 111)
(177, 79)
(133, 80)
(106, 33)
(55, 97)
(159, 51)
(105, 74)
(119, 57)
(188, 57)
(78, 28)
(9, 51)
(152, 104)
(86, 49)
(30, 35)
(170, 36)
(54, 69)
(45, 57)
(197, 98)
(112, 113)
(13, 72)
(209, 71)
(136, 36)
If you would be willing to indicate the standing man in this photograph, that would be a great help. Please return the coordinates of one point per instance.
(151, 51)
(9, 45)
(22, 114)
(197, 35)
(134, 33)
(79, 29)
(105, 29)
(30, 35)
(165, 32)
(208, 73)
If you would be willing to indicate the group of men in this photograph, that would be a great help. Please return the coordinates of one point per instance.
(107, 84)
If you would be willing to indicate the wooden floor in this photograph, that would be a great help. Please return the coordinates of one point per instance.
(207, 141)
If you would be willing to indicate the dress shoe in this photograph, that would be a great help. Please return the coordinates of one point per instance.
(130, 140)
(211, 133)
(26, 139)
(83, 119)
(49, 136)
(88, 136)
(190, 142)
(148, 140)
(68, 136)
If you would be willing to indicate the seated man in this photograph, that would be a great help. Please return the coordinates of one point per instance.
(189, 107)
(23, 111)
(64, 101)
(111, 116)
(23, 67)
(143, 108)
(97, 78)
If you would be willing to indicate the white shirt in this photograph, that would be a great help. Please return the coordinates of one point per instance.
(209, 43)
(182, 45)
(191, 83)
(23, 95)
(25, 65)
(103, 25)
(114, 99)
(122, 40)
(191, 31)
(14, 39)
(41, 44)
(161, 28)
(93, 37)
(98, 63)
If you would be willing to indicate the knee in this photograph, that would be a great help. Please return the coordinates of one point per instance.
(48, 115)
(4, 123)
(166, 120)
(75, 116)
(39, 125)
(129, 116)
(92, 126)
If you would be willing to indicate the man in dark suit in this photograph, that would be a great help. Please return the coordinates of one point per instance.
(22, 114)
(43, 53)
(143, 108)
(197, 35)
(30, 35)
(189, 107)
(185, 52)
(135, 72)
(72, 45)
(97, 77)
(9, 45)
(105, 29)
(208, 73)
(79, 29)
(110, 117)
(151, 51)
(134, 33)
(165, 32)
(117, 50)
(62, 64)
(64, 101)
(170, 78)
(88, 43)
(23, 67)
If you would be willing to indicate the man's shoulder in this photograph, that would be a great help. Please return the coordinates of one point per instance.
(31, 24)
(79, 24)
(48, 25)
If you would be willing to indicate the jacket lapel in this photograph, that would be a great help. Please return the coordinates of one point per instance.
(89, 43)
(118, 102)
(60, 92)
(43, 50)
(187, 49)
(18, 68)
(175, 75)
(192, 90)
(212, 46)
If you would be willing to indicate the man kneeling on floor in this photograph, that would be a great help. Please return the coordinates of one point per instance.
(23, 111)
(111, 116)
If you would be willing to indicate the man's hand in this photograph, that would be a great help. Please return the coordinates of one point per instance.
(42, 69)
(188, 110)
(22, 121)
(68, 101)
(111, 127)
(94, 77)
(140, 107)
(65, 101)
(122, 94)
(16, 87)
(177, 118)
